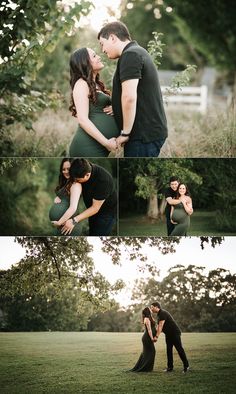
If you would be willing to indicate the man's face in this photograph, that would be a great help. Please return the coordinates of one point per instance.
(174, 185)
(84, 179)
(109, 46)
(154, 309)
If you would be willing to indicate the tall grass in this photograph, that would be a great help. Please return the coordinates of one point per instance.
(190, 135)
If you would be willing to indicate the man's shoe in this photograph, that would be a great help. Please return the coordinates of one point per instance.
(168, 370)
(185, 370)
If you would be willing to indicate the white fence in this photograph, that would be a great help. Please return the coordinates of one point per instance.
(189, 97)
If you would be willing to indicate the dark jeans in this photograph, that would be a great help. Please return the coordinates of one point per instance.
(176, 342)
(141, 149)
(170, 226)
(101, 224)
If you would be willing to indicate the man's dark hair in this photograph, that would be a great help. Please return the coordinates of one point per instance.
(79, 168)
(156, 304)
(173, 179)
(119, 29)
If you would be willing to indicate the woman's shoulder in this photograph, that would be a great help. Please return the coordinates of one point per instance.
(76, 186)
(81, 84)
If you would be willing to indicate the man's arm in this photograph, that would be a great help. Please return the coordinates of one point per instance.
(128, 103)
(160, 327)
(95, 207)
(172, 201)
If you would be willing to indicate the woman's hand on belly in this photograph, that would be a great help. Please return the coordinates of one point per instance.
(108, 110)
(57, 200)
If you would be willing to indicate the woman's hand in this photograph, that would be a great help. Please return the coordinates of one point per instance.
(108, 110)
(57, 200)
(111, 145)
(55, 223)
(172, 221)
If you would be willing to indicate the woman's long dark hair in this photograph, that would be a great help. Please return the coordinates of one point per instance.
(147, 313)
(61, 179)
(80, 67)
(187, 191)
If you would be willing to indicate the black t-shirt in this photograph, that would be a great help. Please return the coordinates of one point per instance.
(170, 326)
(100, 186)
(150, 119)
(169, 193)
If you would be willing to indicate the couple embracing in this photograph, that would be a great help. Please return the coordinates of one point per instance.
(139, 121)
(166, 324)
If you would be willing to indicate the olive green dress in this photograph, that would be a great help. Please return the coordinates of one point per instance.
(182, 218)
(83, 145)
(57, 211)
(146, 360)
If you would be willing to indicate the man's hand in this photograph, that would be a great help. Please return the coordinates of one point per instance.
(154, 339)
(68, 227)
(120, 141)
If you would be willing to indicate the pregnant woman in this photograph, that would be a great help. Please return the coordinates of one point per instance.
(91, 104)
(146, 360)
(180, 213)
(67, 199)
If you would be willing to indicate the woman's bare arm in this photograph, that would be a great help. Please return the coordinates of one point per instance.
(75, 192)
(149, 329)
(81, 100)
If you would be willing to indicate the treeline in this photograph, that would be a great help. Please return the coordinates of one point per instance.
(199, 301)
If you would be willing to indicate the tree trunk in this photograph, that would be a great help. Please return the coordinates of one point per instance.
(153, 211)
(162, 206)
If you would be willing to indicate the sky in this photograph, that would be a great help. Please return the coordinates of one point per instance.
(100, 13)
(188, 252)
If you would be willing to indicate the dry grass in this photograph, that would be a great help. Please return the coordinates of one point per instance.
(194, 135)
(190, 135)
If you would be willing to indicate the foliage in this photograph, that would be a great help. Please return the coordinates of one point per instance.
(28, 32)
(152, 16)
(198, 301)
(155, 49)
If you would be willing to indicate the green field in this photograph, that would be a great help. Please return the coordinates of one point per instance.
(202, 223)
(90, 362)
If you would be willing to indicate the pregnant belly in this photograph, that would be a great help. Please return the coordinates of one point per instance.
(179, 216)
(57, 210)
(106, 124)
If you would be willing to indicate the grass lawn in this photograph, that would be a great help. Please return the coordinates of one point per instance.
(202, 223)
(71, 362)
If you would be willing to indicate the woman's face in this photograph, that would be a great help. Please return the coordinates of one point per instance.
(95, 60)
(66, 169)
(182, 189)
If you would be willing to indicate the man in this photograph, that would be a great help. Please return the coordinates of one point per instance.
(99, 195)
(167, 324)
(136, 95)
(170, 195)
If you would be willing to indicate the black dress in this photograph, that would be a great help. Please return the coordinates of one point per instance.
(146, 360)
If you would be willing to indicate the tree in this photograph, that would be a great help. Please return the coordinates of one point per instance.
(152, 16)
(198, 301)
(210, 27)
(27, 33)
(152, 176)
